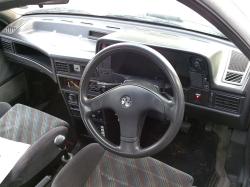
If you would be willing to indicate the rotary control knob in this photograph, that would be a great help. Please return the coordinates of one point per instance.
(197, 64)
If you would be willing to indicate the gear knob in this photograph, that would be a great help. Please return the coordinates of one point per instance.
(59, 141)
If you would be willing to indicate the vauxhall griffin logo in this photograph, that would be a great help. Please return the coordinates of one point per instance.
(126, 102)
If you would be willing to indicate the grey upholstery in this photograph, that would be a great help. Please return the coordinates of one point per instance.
(24, 124)
(28, 125)
(77, 171)
(113, 170)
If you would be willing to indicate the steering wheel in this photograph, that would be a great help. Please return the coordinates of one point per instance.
(130, 101)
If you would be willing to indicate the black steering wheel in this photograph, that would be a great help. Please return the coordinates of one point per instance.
(130, 101)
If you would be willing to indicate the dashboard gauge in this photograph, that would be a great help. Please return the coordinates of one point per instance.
(73, 84)
(70, 84)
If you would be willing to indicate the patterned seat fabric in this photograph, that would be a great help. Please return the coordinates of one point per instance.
(24, 124)
(114, 170)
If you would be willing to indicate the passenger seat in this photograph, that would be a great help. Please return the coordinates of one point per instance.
(38, 130)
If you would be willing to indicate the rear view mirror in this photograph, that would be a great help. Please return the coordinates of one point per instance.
(8, 4)
(52, 2)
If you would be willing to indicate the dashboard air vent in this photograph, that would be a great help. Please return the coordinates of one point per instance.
(238, 62)
(227, 103)
(237, 68)
(7, 45)
(233, 77)
(112, 27)
(9, 30)
(86, 23)
(96, 34)
(62, 67)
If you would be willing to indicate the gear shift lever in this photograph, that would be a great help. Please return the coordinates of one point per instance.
(60, 142)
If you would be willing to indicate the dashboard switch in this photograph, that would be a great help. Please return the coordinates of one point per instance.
(72, 98)
(197, 64)
(77, 68)
(197, 97)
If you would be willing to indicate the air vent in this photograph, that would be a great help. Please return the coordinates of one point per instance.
(234, 77)
(238, 62)
(86, 23)
(68, 21)
(227, 103)
(9, 30)
(62, 67)
(237, 69)
(112, 27)
(7, 45)
(96, 34)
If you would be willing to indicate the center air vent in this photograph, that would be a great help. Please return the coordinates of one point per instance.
(227, 103)
(62, 67)
(7, 45)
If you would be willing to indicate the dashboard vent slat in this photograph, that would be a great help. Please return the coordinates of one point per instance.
(233, 77)
(7, 45)
(62, 67)
(238, 62)
(96, 34)
(12, 28)
(9, 30)
(227, 103)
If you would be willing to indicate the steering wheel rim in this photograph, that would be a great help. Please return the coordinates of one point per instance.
(129, 146)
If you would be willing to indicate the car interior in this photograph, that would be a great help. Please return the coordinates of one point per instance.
(90, 100)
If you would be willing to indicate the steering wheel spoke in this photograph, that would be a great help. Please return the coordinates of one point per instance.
(162, 105)
(130, 147)
(169, 108)
(99, 102)
(131, 125)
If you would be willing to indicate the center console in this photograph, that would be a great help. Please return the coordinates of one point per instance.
(68, 75)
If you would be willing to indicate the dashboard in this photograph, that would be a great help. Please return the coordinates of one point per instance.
(213, 72)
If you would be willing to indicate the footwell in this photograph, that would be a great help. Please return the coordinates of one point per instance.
(193, 153)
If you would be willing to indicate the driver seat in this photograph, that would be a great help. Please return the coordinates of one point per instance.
(94, 167)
